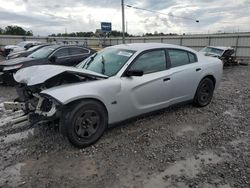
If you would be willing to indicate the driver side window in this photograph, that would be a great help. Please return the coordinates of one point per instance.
(149, 62)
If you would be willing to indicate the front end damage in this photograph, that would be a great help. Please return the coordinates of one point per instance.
(36, 105)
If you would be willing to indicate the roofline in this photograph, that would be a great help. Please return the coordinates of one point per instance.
(148, 46)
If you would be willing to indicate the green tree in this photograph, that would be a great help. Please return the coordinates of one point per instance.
(16, 30)
(29, 33)
(115, 33)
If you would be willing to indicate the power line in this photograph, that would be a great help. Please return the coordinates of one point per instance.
(153, 11)
(237, 23)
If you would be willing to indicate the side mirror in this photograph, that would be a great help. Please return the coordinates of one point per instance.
(53, 59)
(134, 73)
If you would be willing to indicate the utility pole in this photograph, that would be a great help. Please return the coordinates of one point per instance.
(123, 22)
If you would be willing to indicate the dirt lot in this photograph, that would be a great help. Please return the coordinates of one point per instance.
(181, 146)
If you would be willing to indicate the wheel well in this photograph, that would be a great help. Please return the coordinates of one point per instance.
(90, 99)
(211, 77)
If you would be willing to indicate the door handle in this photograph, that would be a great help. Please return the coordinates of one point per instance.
(166, 79)
(198, 69)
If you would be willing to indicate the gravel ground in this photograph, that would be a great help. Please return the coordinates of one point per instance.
(182, 146)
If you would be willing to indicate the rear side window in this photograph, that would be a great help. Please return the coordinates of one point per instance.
(181, 57)
(149, 62)
(78, 51)
(192, 58)
(62, 52)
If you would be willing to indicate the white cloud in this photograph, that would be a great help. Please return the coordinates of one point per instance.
(46, 17)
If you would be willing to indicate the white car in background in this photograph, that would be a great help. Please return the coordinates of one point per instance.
(225, 54)
(22, 46)
(115, 84)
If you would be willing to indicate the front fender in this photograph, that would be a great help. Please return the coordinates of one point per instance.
(105, 91)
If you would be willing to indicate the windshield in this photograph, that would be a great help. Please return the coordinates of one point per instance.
(42, 53)
(108, 61)
(212, 50)
(22, 44)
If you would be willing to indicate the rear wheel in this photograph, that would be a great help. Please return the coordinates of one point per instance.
(204, 92)
(85, 123)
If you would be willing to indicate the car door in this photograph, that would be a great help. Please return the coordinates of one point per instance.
(185, 76)
(141, 94)
(62, 56)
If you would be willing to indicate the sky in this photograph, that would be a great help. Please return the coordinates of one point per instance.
(45, 17)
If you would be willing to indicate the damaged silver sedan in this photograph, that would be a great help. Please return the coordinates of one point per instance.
(115, 84)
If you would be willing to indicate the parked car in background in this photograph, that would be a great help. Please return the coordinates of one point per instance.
(223, 53)
(115, 84)
(25, 45)
(26, 53)
(54, 54)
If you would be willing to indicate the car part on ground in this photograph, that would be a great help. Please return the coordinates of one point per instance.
(67, 55)
(225, 54)
(116, 84)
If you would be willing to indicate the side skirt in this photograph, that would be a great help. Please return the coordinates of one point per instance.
(121, 123)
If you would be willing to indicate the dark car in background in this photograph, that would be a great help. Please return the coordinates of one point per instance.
(67, 55)
(26, 53)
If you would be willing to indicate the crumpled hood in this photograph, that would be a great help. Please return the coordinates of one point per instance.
(210, 54)
(15, 61)
(11, 46)
(38, 74)
(14, 48)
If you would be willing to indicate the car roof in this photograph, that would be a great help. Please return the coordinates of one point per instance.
(66, 45)
(148, 46)
(31, 41)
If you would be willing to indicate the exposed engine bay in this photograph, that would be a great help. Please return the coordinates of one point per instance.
(39, 106)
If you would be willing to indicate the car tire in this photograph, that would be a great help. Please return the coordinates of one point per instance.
(204, 93)
(85, 122)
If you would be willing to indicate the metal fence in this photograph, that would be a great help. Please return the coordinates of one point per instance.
(239, 41)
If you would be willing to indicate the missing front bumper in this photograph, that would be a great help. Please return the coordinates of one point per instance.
(43, 107)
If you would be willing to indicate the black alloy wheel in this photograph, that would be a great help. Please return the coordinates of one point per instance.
(85, 122)
(204, 93)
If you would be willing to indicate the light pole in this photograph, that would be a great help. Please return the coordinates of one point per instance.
(126, 26)
(123, 22)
